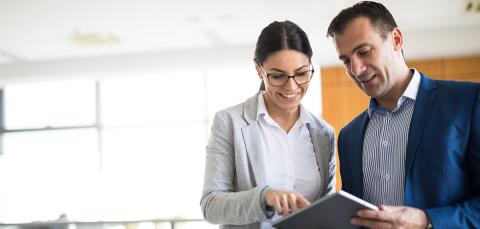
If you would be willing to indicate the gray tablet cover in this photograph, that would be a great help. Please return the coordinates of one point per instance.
(332, 211)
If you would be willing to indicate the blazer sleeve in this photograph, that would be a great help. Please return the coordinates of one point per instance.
(221, 203)
(467, 213)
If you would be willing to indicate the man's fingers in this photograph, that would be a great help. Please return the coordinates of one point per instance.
(390, 208)
(375, 215)
(367, 214)
(369, 223)
(382, 218)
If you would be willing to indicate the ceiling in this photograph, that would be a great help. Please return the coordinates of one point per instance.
(61, 36)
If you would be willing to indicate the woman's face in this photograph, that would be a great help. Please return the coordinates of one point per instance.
(286, 98)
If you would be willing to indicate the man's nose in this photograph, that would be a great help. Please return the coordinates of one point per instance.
(357, 67)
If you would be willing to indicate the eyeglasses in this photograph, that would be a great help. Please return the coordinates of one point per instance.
(280, 79)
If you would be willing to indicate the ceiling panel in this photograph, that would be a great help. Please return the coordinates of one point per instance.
(41, 30)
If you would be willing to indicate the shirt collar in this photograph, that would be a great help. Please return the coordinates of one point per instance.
(412, 88)
(261, 108)
(304, 117)
(410, 93)
(262, 112)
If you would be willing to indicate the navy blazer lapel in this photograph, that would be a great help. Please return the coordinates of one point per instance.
(357, 156)
(423, 104)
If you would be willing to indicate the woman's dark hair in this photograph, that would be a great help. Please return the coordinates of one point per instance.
(377, 13)
(278, 36)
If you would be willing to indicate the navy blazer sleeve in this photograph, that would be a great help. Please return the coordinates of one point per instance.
(460, 174)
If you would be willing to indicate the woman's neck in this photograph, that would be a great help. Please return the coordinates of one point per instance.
(284, 118)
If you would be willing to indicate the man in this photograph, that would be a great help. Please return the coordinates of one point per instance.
(415, 151)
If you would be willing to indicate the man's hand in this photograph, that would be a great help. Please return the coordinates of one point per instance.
(391, 217)
(285, 202)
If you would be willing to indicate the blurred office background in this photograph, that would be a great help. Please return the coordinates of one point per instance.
(106, 106)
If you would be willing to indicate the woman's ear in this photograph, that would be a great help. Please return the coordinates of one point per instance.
(257, 67)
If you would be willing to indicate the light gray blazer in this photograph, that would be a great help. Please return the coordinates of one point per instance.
(235, 166)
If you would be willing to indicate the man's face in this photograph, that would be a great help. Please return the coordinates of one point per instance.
(367, 57)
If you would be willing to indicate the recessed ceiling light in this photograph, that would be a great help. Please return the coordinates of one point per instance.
(194, 19)
(94, 38)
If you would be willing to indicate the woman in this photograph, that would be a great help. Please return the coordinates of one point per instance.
(268, 156)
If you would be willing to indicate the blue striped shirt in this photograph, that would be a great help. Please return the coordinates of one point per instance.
(384, 148)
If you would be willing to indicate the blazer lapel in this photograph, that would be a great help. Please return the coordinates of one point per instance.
(320, 146)
(357, 156)
(423, 104)
(251, 137)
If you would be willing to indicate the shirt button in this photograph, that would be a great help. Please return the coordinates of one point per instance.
(387, 177)
(385, 142)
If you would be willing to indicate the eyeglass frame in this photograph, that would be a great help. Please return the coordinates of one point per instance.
(288, 77)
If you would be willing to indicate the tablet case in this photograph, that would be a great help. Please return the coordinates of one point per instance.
(332, 211)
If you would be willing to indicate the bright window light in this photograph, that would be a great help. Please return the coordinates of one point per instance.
(145, 159)
(47, 173)
(166, 98)
(50, 104)
(230, 86)
(150, 172)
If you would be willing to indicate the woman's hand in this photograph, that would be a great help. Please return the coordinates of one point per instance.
(285, 202)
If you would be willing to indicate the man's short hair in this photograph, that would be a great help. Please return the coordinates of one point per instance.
(377, 13)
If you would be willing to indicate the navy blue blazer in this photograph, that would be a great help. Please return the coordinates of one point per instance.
(442, 167)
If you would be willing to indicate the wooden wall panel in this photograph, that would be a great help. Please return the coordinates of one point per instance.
(462, 65)
(433, 68)
(463, 69)
(342, 101)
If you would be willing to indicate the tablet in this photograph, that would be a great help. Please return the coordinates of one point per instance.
(332, 211)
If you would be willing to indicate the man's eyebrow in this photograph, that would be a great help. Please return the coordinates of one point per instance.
(341, 57)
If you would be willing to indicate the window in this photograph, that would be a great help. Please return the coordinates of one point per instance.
(50, 104)
(153, 145)
(153, 171)
(128, 147)
(153, 98)
(45, 174)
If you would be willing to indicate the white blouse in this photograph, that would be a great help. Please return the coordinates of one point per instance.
(291, 164)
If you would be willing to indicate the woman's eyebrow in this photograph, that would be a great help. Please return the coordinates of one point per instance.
(279, 70)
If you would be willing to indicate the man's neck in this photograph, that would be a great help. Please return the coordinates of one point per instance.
(390, 100)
